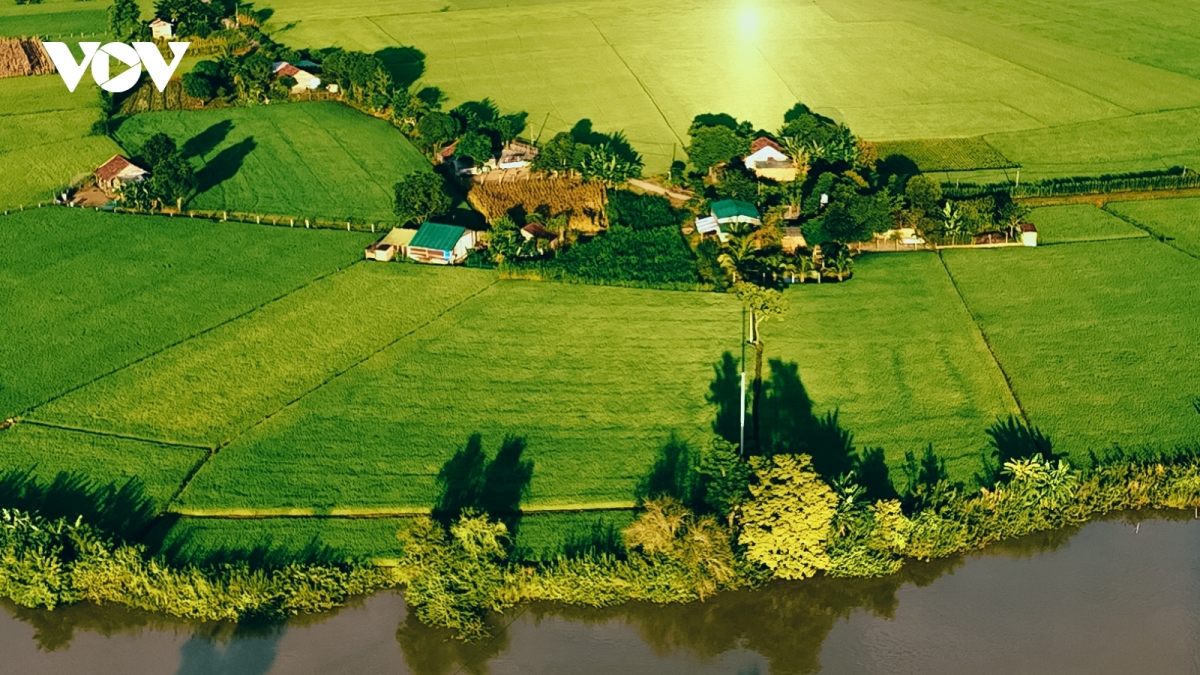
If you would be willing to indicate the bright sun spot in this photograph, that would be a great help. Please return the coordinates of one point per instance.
(748, 23)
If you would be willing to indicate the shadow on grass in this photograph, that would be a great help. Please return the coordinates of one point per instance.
(206, 141)
(122, 511)
(468, 480)
(224, 165)
(406, 65)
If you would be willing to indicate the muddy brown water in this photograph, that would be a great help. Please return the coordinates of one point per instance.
(1110, 597)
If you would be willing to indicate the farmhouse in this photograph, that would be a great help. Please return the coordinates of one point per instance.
(516, 155)
(441, 244)
(544, 239)
(394, 244)
(117, 172)
(727, 212)
(1029, 234)
(304, 80)
(767, 160)
(161, 30)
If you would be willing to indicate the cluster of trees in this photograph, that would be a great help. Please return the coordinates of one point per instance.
(243, 76)
(738, 522)
(195, 17)
(924, 208)
(642, 245)
(593, 156)
(478, 126)
(172, 180)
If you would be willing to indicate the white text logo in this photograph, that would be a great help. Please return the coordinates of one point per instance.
(99, 58)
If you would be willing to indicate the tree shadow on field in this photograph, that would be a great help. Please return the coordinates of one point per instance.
(788, 424)
(206, 141)
(406, 65)
(673, 474)
(1013, 439)
(725, 393)
(122, 511)
(224, 165)
(468, 480)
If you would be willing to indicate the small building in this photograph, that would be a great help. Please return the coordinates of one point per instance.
(394, 244)
(516, 155)
(441, 244)
(768, 160)
(305, 81)
(118, 171)
(544, 239)
(729, 211)
(1029, 234)
(793, 239)
(162, 30)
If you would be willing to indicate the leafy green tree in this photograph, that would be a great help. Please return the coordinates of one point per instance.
(642, 212)
(786, 523)
(436, 129)
(737, 183)
(606, 164)
(456, 579)
(725, 478)
(172, 181)
(508, 127)
(713, 146)
(124, 20)
(193, 17)
(1011, 217)
(419, 196)
(476, 145)
(923, 193)
(476, 115)
(156, 149)
(852, 216)
(557, 155)
(199, 86)
(667, 529)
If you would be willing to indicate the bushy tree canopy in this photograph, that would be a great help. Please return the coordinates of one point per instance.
(420, 196)
(785, 525)
(712, 146)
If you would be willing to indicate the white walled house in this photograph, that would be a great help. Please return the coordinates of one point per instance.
(305, 81)
(161, 30)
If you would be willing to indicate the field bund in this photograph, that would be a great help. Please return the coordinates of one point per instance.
(251, 371)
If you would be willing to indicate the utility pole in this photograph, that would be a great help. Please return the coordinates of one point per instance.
(742, 406)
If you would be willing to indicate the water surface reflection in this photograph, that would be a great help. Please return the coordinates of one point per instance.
(1101, 599)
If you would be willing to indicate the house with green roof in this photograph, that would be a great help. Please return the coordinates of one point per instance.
(727, 212)
(441, 244)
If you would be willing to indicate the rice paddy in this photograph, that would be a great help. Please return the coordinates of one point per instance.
(45, 138)
(1094, 338)
(298, 160)
(1043, 84)
(1176, 220)
(336, 390)
(1080, 222)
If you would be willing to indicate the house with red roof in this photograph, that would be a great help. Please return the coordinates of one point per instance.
(768, 160)
(305, 80)
(118, 171)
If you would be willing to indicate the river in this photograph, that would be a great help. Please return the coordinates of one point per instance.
(1110, 597)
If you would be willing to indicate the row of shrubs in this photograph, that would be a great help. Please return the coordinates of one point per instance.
(1177, 178)
(746, 523)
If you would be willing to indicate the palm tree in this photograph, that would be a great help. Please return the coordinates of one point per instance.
(842, 265)
(737, 252)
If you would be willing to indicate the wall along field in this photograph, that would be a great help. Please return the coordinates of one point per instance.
(1042, 85)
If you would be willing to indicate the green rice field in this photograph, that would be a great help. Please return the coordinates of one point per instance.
(299, 160)
(1095, 338)
(900, 358)
(45, 138)
(54, 19)
(263, 372)
(1177, 220)
(1080, 222)
(87, 293)
(594, 379)
(1058, 88)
